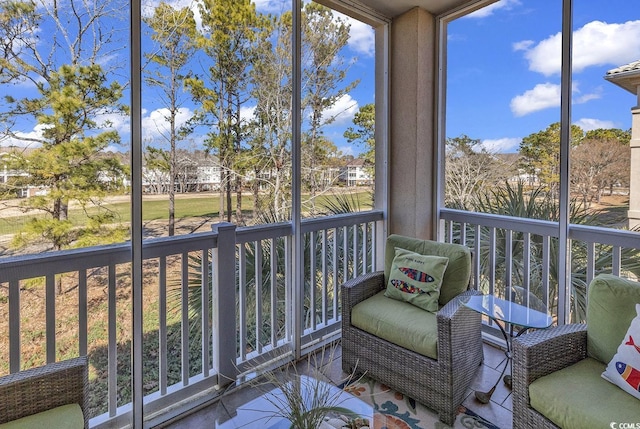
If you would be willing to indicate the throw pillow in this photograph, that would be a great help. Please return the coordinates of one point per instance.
(416, 278)
(624, 368)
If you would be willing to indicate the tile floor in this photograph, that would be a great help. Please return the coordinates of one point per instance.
(497, 411)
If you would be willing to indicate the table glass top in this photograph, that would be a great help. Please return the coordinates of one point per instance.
(507, 311)
(263, 411)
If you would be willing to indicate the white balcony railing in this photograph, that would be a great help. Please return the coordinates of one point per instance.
(201, 305)
(510, 251)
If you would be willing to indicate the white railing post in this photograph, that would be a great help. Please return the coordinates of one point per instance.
(380, 236)
(224, 303)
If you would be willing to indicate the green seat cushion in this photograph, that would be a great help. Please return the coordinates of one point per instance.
(611, 308)
(64, 417)
(398, 322)
(458, 273)
(578, 397)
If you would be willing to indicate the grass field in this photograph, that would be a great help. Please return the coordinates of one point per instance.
(156, 208)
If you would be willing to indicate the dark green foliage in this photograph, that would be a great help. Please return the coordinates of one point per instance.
(537, 203)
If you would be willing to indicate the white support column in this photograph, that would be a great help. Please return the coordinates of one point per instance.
(382, 39)
(412, 149)
(634, 177)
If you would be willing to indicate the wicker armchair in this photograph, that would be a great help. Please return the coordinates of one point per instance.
(40, 389)
(546, 353)
(441, 383)
(537, 354)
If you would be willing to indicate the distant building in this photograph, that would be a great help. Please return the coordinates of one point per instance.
(191, 176)
(6, 173)
(208, 175)
(628, 78)
(356, 174)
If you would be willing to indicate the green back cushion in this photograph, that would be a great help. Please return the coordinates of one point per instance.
(458, 272)
(416, 279)
(610, 309)
(64, 417)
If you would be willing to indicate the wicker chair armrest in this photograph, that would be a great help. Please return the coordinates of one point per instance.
(40, 389)
(357, 290)
(451, 308)
(456, 324)
(544, 351)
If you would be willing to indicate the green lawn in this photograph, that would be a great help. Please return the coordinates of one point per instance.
(186, 207)
(151, 210)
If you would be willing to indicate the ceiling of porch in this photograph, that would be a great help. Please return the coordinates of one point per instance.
(392, 8)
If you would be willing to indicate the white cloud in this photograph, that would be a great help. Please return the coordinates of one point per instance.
(503, 145)
(523, 45)
(107, 121)
(589, 124)
(247, 113)
(156, 124)
(544, 96)
(347, 150)
(23, 139)
(456, 37)
(585, 98)
(579, 98)
(361, 38)
(489, 10)
(116, 121)
(342, 111)
(148, 8)
(272, 6)
(597, 43)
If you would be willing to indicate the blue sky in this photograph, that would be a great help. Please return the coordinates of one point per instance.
(358, 54)
(504, 69)
(503, 72)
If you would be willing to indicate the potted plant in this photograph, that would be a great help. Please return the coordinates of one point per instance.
(306, 399)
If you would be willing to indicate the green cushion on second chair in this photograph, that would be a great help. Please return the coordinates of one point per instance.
(64, 417)
(577, 397)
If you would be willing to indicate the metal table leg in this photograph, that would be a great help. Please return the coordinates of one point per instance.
(485, 397)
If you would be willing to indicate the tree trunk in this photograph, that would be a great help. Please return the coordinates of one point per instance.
(239, 217)
(256, 195)
(221, 193)
(228, 192)
(172, 179)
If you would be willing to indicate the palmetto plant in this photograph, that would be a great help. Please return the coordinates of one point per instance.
(536, 203)
(301, 396)
(267, 257)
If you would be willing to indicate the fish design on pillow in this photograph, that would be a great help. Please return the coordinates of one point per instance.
(407, 288)
(416, 275)
(631, 343)
(629, 374)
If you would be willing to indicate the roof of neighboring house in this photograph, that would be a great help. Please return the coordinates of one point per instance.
(626, 76)
(7, 150)
(358, 162)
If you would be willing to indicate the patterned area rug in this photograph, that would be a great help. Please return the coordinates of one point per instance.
(393, 410)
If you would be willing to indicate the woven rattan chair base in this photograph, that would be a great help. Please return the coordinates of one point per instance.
(438, 384)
